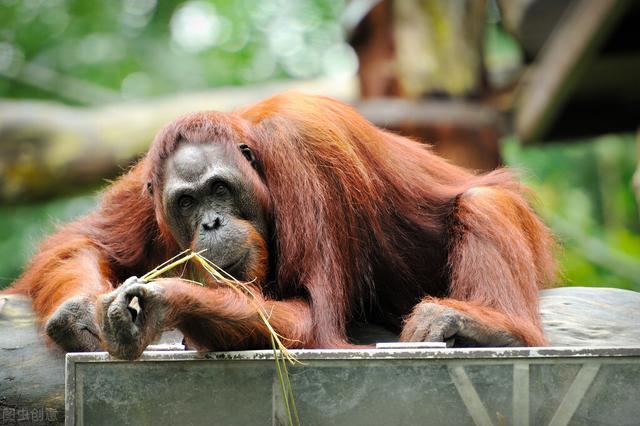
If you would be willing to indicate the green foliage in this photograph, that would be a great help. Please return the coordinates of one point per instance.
(138, 48)
(23, 227)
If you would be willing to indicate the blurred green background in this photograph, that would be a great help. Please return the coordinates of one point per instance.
(130, 49)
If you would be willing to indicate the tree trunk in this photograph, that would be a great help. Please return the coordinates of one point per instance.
(48, 148)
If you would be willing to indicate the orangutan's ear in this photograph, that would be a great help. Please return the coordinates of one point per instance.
(149, 188)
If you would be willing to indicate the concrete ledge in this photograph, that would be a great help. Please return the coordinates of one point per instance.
(530, 353)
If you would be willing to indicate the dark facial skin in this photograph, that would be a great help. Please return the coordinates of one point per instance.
(209, 204)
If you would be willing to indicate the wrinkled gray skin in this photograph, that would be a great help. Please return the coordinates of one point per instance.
(132, 317)
(207, 204)
(73, 325)
(210, 207)
(436, 323)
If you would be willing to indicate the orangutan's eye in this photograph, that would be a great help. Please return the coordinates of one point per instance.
(248, 154)
(219, 189)
(186, 201)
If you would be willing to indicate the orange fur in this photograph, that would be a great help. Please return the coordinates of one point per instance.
(364, 225)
